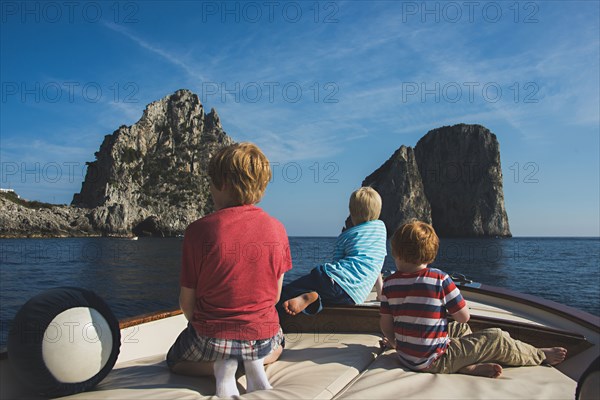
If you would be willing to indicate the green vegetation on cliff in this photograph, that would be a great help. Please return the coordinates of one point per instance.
(12, 196)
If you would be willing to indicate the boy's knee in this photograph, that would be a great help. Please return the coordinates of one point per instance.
(505, 334)
(501, 337)
(459, 329)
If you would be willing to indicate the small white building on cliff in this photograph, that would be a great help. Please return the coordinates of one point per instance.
(9, 191)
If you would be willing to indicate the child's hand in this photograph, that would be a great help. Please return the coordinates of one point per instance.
(385, 344)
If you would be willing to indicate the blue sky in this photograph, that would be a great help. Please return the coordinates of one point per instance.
(328, 90)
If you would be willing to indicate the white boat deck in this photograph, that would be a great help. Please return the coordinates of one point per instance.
(324, 366)
(328, 366)
(331, 366)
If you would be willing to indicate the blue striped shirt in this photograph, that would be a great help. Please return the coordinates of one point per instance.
(358, 258)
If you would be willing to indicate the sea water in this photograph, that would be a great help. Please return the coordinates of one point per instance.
(138, 277)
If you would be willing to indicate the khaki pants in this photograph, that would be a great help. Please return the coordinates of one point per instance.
(489, 345)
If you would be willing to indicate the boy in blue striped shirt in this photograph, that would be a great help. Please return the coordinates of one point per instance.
(356, 265)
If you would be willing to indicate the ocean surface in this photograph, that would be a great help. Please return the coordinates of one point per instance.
(138, 277)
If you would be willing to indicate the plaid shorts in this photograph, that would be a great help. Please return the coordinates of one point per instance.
(190, 346)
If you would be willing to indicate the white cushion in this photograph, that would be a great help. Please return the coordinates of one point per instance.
(385, 378)
(313, 366)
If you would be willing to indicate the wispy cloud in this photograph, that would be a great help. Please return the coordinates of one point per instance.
(174, 59)
(42, 151)
(373, 87)
(307, 141)
(449, 56)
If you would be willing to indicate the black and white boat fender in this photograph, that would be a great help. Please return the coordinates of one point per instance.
(63, 341)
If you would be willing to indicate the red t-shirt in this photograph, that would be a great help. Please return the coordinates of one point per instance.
(233, 259)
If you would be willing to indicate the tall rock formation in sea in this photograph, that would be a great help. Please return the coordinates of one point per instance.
(452, 179)
(151, 177)
(462, 176)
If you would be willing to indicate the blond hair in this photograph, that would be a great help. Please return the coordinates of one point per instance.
(415, 242)
(365, 205)
(245, 170)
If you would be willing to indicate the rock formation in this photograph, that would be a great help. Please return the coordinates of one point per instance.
(21, 218)
(453, 179)
(462, 176)
(148, 179)
(154, 173)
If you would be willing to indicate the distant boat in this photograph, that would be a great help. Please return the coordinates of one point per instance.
(336, 354)
(120, 236)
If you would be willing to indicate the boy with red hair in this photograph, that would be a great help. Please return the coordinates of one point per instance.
(414, 306)
(231, 277)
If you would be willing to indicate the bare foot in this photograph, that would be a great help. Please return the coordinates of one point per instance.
(489, 370)
(298, 304)
(554, 355)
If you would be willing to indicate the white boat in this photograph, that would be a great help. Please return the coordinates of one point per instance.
(336, 355)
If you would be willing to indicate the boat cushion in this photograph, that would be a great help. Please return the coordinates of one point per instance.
(385, 378)
(312, 366)
(341, 366)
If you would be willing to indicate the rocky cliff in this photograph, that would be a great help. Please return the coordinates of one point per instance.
(148, 179)
(452, 179)
(151, 178)
(22, 218)
(462, 176)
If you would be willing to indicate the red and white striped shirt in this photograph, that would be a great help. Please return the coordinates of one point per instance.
(419, 303)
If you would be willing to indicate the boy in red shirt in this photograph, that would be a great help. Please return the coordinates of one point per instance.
(232, 270)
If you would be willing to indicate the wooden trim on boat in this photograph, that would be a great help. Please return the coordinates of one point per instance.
(145, 318)
(572, 314)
